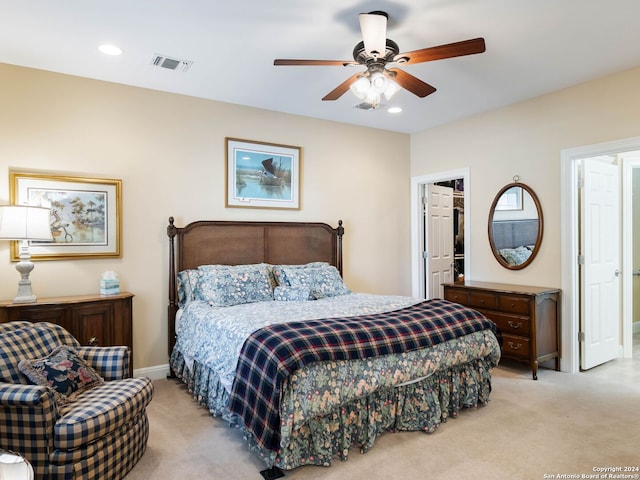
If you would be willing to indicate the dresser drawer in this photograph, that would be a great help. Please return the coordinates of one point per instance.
(514, 303)
(456, 295)
(514, 346)
(511, 323)
(483, 299)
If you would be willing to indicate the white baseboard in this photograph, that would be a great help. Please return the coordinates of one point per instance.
(156, 372)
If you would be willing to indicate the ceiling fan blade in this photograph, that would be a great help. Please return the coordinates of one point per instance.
(373, 26)
(341, 89)
(321, 63)
(410, 83)
(457, 49)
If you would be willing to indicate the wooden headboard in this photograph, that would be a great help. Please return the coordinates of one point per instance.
(209, 242)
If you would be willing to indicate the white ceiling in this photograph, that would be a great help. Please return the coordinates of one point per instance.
(533, 47)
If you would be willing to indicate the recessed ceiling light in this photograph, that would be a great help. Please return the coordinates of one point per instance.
(394, 109)
(110, 50)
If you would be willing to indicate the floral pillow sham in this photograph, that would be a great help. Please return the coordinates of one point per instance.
(322, 281)
(225, 286)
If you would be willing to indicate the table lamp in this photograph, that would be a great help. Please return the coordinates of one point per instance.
(24, 223)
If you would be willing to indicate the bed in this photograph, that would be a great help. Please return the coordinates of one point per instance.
(515, 240)
(266, 335)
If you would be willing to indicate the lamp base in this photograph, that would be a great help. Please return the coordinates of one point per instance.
(24, 295)
(24, 266)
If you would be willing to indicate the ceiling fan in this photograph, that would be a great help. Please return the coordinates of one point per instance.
(376, 52)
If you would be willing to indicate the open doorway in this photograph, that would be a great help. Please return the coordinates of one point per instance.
(631, 175)
(423, 280)
(628, 152)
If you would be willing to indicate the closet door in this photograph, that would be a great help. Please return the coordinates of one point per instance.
(440, 250)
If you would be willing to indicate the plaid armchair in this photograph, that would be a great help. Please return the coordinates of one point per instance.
(99, 434)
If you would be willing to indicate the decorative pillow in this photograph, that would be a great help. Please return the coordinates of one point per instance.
(240, 268)
(224, 287)
(291, 294)
(187, 286)
(28, 341)
(63, 371)
(279, 276)
(515, 256)
(323, 281)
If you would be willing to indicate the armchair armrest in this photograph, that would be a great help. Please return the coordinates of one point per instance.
(112, 363)
(30, 396)
(27, 416)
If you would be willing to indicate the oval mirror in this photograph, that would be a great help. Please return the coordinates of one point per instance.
(515, 226)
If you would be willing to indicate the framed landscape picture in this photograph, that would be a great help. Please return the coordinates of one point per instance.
(262, 175)
(85, 214)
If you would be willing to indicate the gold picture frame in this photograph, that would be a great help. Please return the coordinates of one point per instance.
(86, 214)
(262, 175)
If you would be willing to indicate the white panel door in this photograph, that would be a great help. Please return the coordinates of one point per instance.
(600, 276)
(440, 238)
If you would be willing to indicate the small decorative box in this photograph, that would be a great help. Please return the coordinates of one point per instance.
(109, 287)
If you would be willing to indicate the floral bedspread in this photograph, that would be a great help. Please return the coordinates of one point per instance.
(213, 336)
(272, 353)
(329, 407)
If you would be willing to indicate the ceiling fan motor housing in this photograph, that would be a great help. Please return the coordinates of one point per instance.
(360, 55)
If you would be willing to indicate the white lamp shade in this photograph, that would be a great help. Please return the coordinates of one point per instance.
(361, 87)
(374, 33)
(378, 83)
(24, 222)
(391, 90)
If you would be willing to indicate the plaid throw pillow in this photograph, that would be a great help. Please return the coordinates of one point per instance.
(63, 371)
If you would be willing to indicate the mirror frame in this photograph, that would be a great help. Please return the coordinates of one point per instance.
(535, 251)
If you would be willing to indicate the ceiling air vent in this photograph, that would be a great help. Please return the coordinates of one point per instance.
(366, 106)
(170, 63)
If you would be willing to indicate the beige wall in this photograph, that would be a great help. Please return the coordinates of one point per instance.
(169, 152)
(526, 139)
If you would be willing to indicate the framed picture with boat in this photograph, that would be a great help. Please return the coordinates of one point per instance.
(85, 214)
(262, 175)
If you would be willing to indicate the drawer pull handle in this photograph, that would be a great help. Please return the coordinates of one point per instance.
(514, 325)
(515, 347)
(93, 342)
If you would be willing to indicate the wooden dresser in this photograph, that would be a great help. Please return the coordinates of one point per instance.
(93, 319)
(528, 317)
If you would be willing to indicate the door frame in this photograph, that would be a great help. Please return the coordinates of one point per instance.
(418, 277)
(569, 160)
(628, 165)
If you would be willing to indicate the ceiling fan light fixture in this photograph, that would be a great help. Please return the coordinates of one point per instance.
(378, 82)
(374, 99)
(360, 88)
(371, 88)
(391, 90)
(374, 33)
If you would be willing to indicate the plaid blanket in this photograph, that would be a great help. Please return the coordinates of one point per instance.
(273, 352)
